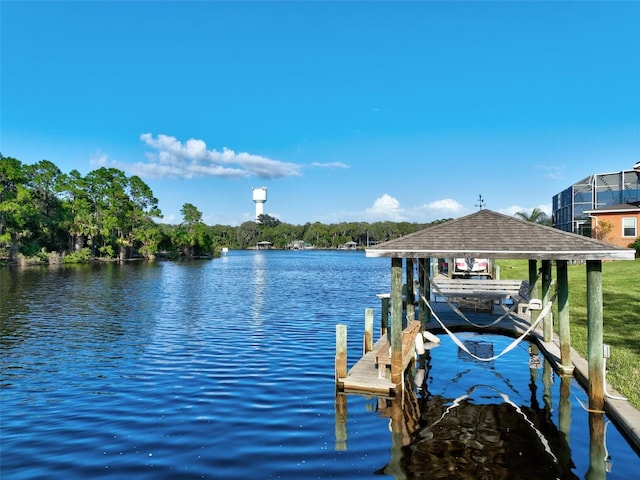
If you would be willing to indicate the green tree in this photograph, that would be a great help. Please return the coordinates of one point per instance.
(144, 232)
(191, 236)
(43, 179)
(16, 207)
(79, 223)
(247, 234)
(536, 215)
(317, 234)
(268, 221)
(110, 208)
(602, 231)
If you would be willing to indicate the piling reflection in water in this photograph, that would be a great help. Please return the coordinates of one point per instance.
(483, 433)
(597, 451)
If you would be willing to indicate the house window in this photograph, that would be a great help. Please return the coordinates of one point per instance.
(630, 227)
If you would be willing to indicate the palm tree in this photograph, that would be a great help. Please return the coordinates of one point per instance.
(536, 216)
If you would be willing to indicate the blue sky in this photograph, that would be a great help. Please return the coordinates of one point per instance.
(345, 111)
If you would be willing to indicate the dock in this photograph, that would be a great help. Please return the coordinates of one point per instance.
(365, 375)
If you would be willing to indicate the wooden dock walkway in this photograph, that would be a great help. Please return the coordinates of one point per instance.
(364, 376)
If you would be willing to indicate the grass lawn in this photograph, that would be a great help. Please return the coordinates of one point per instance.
(621, 312)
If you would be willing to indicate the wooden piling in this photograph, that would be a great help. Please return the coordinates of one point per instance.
(423, 286)
(533, 277)
(547, 321)
(411, 298)
(396, 321)
(341, 352)
(595, 355)
(564, 331)
(368, 330)
(384, 320)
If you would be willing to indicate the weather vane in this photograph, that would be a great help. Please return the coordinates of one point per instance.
(480, 203)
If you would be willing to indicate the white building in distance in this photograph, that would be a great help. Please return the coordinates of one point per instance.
(259, 198)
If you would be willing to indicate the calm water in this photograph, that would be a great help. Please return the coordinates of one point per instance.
(220, 369)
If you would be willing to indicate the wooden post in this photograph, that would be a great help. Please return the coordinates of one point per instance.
(396, 320)
(547, 322)
(341, 352)
(564, 331)
(411, 298)
(368, 330)
(384, 324)
(533, 277)
(422, 280)
(595, 334)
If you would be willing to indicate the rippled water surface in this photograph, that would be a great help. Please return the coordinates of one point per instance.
(204, 369)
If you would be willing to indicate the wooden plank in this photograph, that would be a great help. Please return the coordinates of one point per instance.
(408, 347)
(363, 376)
(481, 289)
(480, 285)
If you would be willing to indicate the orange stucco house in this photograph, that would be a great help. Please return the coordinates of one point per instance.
(617, 224)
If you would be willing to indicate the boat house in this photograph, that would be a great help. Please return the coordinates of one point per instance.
(488, 234)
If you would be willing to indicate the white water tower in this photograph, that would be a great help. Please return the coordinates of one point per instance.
(259, 197)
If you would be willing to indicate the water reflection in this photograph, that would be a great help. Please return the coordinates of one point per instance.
(597, 451)
(259, 284)
(483, 433)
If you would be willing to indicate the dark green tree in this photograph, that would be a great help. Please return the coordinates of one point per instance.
(268, 221)
(247, 234)
(16, 207)
(44, 180)
(191, 236)
(144, 233)
(536, 215)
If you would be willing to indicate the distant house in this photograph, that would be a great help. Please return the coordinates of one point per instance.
(593, 193)
(264, 245)
(297, 245)
(348, 246)
(617, 224)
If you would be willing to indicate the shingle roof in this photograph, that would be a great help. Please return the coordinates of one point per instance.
(488, 234)
(620, 208)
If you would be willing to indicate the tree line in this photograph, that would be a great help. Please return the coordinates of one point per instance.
(47, 216)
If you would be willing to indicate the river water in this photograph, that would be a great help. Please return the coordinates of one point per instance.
(225, 369)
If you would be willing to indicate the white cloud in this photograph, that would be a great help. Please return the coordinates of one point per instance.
(554, 172)
(436, 210)
(173, 158)
(385, 207)
(99, 160)
(329, 165)
(513, 209)
(388, 208)
(446, 205)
